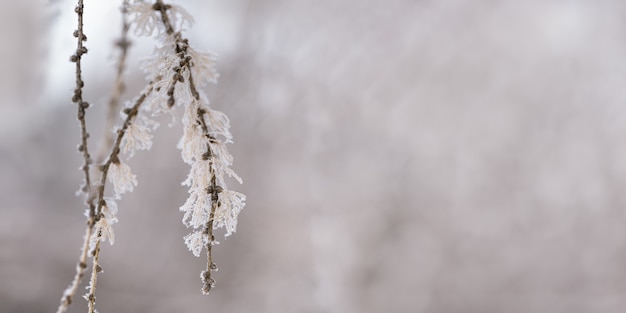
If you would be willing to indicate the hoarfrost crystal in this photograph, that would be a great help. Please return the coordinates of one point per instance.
(195, 241)
(138, 135)
(121, 178)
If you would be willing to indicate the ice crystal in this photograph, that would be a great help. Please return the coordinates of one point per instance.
(104, 225)
(203, 69)
(197, 209)
(226, 215)
(121, 178)
(195, 241)
(138, 135)
(146, 19)
(180, 17)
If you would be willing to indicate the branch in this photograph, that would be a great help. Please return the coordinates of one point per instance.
(77, 98)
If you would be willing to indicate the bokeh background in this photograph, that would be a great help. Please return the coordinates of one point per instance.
(398, 156)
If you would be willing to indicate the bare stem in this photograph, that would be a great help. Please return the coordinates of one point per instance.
(95, 269)
(80, 272)
(118, 88)
(77, 98)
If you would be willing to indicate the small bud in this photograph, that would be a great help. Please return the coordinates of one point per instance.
(81, 148)
(127, 111)
(74, 58)
(98, 268)
(170, 102)
(84, 104)
(84, 37)
(76, 33)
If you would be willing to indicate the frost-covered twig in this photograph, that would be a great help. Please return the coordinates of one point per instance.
(123, 180)
(206, 132)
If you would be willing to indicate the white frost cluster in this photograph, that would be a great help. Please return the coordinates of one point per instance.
(122, 178)
(206, 153)
(146, 19)
(194, 145)
(104, 226)
(138, 135)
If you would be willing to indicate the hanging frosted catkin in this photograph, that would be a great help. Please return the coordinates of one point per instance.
(179, 73)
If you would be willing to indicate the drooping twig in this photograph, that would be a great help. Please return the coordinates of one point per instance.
(123, 43)
(77, 98)
(113, 158)
(185, 63)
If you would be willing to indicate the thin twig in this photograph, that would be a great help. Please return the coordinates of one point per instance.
(78, 95)
(77, 98)
(118, 88)
(80, 272)
(113, 157)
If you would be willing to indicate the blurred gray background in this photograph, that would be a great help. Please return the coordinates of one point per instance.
(398, 156)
